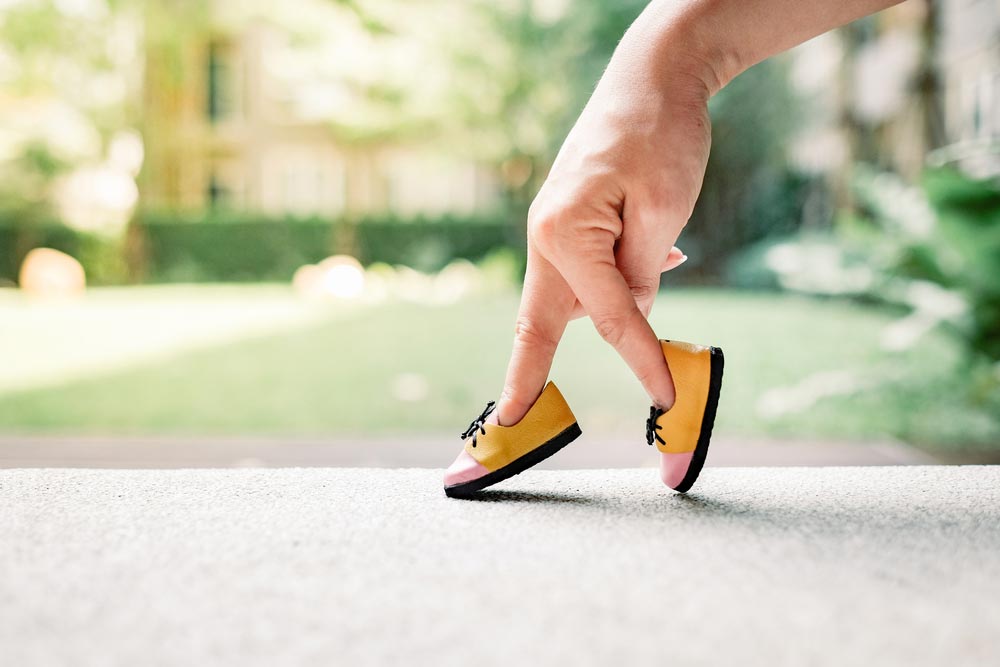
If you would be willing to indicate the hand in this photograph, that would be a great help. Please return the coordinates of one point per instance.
(627, 177)
(603, 225)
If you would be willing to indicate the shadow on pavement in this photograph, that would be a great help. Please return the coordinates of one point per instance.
(501, 496)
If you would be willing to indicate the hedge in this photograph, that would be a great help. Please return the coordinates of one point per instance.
(160, 247)
(17, 240)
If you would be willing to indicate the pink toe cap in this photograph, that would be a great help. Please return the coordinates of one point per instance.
(464, 469)
(674, 467)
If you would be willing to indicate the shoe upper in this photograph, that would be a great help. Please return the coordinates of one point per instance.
(495, 446)
(677, 431)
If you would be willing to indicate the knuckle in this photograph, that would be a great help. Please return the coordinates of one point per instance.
(644, 291)
(528, 334)
(672, 195)
(511, 396)
(671, 202)
(645, 307)
(534, 209)
(644, 376)
(543, 229)
(612, 328)
(659, 196)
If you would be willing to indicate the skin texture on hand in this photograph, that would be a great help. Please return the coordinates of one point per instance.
(603, 226)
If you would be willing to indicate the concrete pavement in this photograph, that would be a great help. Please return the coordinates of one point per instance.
(422, 451)
(790, 566)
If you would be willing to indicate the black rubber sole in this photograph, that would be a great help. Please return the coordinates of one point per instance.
(516, 467)
(707, 422)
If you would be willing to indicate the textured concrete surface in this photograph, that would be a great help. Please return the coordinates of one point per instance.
(834, 566)
(590, 451)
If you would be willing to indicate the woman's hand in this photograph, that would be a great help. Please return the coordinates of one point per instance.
(603, 226)
(628, 175)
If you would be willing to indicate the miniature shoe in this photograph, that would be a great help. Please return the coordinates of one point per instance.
(682, 434)
(493, 453)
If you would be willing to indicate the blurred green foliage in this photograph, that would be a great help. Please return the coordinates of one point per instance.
(238, 247)
(247, 248)
(215, 248)
(968, 214)
(519, 77)
(221, 246)
(932, 253)
(946, 232)
(956, 250)
(333, 374)
(943, 236)
(533, 96)
(749, 191)
(16, 240)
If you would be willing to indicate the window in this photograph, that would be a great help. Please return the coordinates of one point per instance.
(222, 90)
(218, 194)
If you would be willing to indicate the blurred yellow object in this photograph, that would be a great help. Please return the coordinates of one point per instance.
(306, 281)
(343, 277)
(49, 273)
(338, 277)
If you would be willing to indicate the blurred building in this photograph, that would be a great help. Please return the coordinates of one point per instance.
(915, 84)
(968, 58)
(224, 127)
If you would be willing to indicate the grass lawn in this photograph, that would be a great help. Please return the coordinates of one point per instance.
(256, 360)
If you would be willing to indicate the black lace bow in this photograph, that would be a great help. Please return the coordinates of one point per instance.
(477, 425)
(652, 427)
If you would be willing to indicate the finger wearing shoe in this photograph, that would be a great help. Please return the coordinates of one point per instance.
(492, 453)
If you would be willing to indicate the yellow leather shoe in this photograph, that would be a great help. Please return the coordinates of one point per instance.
(493, 453)
(682, 434)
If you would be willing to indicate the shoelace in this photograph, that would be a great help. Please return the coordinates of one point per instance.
(652, 427)
(476, 427)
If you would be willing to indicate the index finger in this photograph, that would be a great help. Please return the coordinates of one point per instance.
(546, 305)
